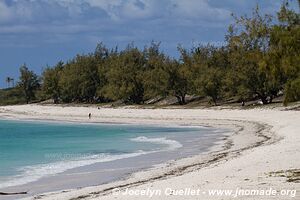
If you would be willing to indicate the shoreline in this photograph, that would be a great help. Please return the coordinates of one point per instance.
(68, 121)
(118, 169)
(233, 147)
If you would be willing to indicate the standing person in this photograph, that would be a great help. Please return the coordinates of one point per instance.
(90, 115)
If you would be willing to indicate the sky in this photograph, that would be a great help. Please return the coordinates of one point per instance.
(42, 32)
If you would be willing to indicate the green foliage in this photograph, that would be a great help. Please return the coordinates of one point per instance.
(248, 45)
(178, 81)
(208, 71)
(79, 79)
(180, 75)
(210, 84)
(260, 60)
(285, 51)
(11, 96)
(51, 87)
(125, 76)
(29, 83)
(155, 76)
(292, 91)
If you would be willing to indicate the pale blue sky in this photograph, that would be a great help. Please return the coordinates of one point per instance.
(42, 32)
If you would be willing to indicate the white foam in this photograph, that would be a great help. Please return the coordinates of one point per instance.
(36, 172)
(33, 173)
(171, 144)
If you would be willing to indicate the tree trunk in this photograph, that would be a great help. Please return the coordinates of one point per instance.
(271, 99)
(55, 100)
(264, 99)
(181, 99)
(178, 99)
(215, 101)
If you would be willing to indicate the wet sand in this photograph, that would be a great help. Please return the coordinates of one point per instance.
(264, 142)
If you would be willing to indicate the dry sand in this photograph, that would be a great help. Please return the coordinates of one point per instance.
(261, 155)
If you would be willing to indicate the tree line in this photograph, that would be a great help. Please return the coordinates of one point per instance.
(260, 60)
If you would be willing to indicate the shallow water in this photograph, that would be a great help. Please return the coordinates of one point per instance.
(30, 151)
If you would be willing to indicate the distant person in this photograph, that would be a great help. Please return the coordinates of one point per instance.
(243, 103)
(90, 115)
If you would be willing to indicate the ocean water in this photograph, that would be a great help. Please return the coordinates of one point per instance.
(30, 151)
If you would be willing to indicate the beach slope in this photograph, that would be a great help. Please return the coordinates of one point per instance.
(262, 154)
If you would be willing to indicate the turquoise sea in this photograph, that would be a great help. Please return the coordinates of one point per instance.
(33, 150)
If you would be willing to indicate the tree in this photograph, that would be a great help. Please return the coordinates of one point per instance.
(29, 83)
(211, 84)
(102, 55)
(51, 78)
(13, 82)
(260, 61)
(210, 65)
(79, 79)
(285, 51)
(8, 80)
(178, 80)
(101, 52)
(248, 47)
(155, 76)
(180, 75)
(292, 91)
(125, 75)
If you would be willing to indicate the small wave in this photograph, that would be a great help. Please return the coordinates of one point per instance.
(36, 172)
(33, 173)
(172, 144)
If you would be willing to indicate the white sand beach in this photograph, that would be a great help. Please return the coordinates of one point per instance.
(262, 154)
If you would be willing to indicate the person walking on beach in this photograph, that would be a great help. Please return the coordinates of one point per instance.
(90, 115)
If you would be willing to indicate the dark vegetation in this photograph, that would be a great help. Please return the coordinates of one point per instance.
(260, 61)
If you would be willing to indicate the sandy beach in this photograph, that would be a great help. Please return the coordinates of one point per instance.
(261, 154)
